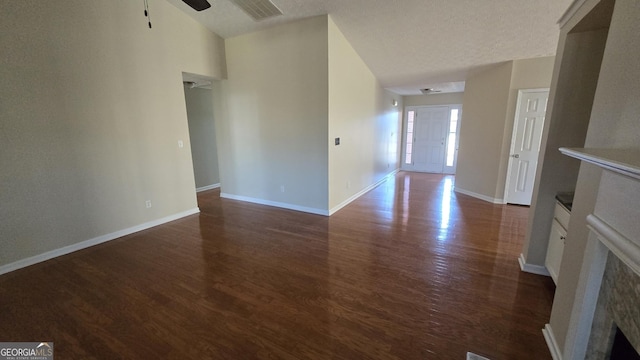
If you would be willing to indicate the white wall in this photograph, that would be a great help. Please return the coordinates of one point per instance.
(274, 108)
(92, 108)
(433, 99)
(362, 115)
(202, 135)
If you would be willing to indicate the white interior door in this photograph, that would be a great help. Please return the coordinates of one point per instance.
(430, 132)
(525, 145)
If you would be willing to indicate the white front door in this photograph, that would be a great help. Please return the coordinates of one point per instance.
(429, 139)
(525, 145)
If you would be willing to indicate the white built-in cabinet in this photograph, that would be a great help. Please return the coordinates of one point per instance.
(557, 237)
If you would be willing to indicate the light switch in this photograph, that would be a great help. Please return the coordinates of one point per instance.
(337, 141)
(180, 144)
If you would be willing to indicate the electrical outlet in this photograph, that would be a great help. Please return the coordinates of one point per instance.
(180, 144)
(348, 184)
(147, 203)
(281, 188)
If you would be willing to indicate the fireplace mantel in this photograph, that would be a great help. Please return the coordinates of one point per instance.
(626, 249)
(622, 161)
(615, 229)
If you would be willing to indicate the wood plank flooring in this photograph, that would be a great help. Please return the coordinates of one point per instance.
(411, 270)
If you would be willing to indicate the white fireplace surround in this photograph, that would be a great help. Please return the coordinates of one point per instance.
(603, 239)
(614, 228)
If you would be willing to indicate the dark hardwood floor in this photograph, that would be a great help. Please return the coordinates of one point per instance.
(411, 270)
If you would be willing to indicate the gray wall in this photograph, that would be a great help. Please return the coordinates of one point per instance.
(614, 123)
(362, 115)
(485, 102)
(533, 73)
(292, 89)
(489, 104)
(273, 128)
(92, 109)
(607, 96)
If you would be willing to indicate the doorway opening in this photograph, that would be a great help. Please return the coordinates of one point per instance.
(430, 142)
(198, 94)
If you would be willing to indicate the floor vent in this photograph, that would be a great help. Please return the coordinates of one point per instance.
(258, 9)
(472, 356)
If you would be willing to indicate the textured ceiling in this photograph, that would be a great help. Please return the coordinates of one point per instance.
(414, 44)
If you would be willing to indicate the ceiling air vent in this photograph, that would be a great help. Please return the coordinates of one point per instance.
(258, 9)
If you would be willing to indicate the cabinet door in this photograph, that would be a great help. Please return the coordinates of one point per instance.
(555, 249)
(562, 215)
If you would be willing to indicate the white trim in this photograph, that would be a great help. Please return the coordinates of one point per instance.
(530, 268)
(91, 242)
(552, 344)
(308, 209)
(603, 239)
(585, 298)
(275, 204)
(478, 196)
(622, 247)
(621, 161)
(403, 152)
(451, 170)
(362, 192)
(208, 187)
(571, 10)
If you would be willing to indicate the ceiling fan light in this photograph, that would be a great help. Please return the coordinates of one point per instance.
(198, 5)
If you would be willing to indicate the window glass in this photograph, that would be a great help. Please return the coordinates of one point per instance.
(408, 150)
(451, 142)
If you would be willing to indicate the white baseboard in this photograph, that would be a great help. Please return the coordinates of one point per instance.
(91, 242)
(530, 268)
(361, 192)
(208, 187)
(550, 339)
(308, 209)
(275, 203)
(479, 196)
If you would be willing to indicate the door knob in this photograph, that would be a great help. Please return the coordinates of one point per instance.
(517, 156)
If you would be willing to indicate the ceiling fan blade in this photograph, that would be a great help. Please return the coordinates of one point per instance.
(198, 5)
